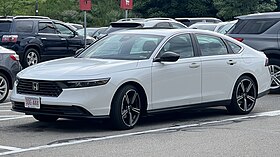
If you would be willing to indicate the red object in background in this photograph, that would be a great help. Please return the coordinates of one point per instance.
(127, 4)
(85, 5)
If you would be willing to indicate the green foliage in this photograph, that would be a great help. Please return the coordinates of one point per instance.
(105, 11)
(231, 8)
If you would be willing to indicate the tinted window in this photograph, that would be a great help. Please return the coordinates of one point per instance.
(256, 26)
(5, 26)
(181, 45)
(235, 48)
(24, 26)
(46, 27)
(210, 45)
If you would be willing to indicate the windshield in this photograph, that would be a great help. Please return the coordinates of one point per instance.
(124, 47)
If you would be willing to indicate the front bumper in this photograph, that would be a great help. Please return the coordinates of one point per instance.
(88, 102)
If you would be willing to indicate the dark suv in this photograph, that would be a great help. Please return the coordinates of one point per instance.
(261, 31)
(37, 39)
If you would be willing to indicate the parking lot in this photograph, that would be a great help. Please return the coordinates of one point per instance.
(206, 132)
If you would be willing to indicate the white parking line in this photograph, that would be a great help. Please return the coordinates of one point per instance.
(10, 148)
(264, 114)
(14, 117)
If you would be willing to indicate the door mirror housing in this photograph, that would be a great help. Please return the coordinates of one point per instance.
(168, 57)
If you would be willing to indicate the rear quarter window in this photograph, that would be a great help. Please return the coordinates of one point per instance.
(5, 26)
(24, 26)
(234, 47)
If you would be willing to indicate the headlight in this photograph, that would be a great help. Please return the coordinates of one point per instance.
(87, 83)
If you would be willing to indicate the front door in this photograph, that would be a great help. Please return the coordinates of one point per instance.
(176, 84)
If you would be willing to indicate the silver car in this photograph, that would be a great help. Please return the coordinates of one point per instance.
(9, 67)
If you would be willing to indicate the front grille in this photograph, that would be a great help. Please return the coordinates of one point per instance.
(43, 88)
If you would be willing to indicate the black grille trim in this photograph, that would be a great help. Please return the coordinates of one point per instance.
(46, 88)
(56, 110)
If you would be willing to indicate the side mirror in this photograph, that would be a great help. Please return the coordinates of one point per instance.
(168, 57)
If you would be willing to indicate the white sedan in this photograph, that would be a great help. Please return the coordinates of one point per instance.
(135, 72)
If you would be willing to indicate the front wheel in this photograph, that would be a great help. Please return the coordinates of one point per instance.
(126, 107)
(244, 96)
(4, 87)
(44, 118)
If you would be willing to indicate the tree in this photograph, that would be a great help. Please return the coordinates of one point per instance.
(227, 9)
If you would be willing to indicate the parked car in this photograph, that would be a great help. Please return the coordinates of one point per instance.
(101, 30)
(215, 27)
(130, 73)
(189, 21)
(261, 32)
(143, 23)
(227, 27)
(9, 67)
(37, 39)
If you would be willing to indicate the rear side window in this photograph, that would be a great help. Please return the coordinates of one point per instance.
(24, 26)
(5, 26)
(254, 26)
(211, 45)
(163, 25)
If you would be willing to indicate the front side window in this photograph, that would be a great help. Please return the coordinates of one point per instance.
(211, 45)
(24, 26)
(181, 45)
(63, 29)
(163, 25)
(123, 47)
(46, 27)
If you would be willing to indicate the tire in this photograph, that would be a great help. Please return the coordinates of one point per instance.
(31, 57)
(44, 118)
(125, 108)
(244, 96)
(4, 87)
(274, 67)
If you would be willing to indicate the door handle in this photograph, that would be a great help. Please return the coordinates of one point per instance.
(63, 39)
(231, 62)
(43, 38)
(194, 65)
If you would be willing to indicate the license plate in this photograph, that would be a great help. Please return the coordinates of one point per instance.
(32, 102)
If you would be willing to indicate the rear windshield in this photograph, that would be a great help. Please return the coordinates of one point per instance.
(253, 26)
(5, 26)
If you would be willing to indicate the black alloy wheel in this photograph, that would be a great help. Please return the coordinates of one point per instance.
(126, 107)
(244, 96)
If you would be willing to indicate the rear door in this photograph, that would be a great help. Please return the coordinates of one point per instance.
(220, 68)
(53, 44)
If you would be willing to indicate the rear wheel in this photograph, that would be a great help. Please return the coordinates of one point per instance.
(31, 57)
(4, 87)
(243, 97)
(274, 67)
(126, 107)
(44, 118)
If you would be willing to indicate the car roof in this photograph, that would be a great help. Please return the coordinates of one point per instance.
(260, 16)
(197, 18)
(164, 32)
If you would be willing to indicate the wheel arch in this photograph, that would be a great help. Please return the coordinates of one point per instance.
(36, 47)
(252, 77)
(272, 53)
(142, 91)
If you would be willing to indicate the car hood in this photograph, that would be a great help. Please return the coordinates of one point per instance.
(76, 68)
